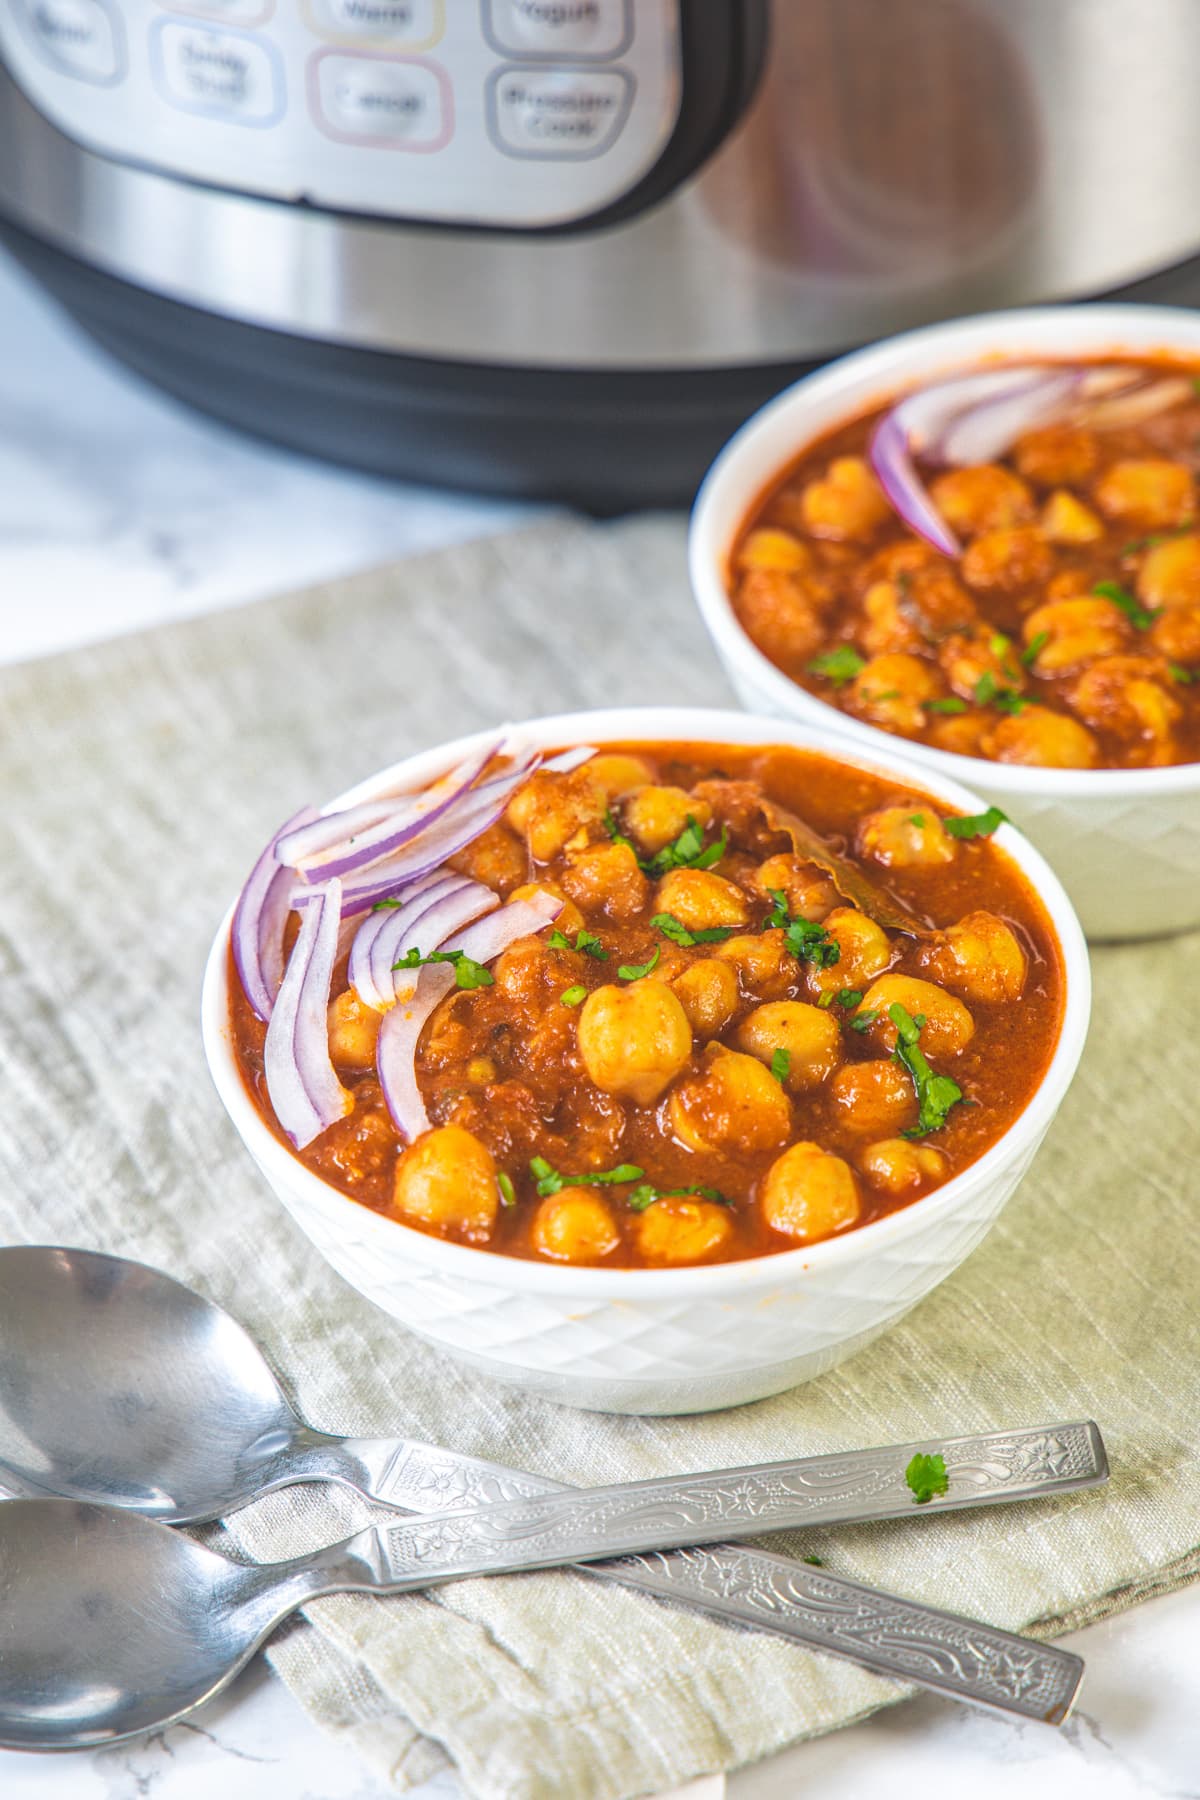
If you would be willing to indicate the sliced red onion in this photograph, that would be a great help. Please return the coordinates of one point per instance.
(566, 760)
(330, 829)
(400, 1032)
(1134, 405)
(450, 912)
(409, 820)
(971, 419)
(396, 1050)
(391, 922)
(304, 1089)
(258, 922)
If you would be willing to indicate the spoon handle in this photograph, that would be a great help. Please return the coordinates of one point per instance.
(892, 1637)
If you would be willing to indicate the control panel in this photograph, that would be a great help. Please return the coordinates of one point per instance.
(509, 113)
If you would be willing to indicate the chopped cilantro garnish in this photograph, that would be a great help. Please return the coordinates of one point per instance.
(635, 971)
(614, 830)
(926, 1476)
(883, 694)
(1034, 648)
(936, 1094)
(586, 942)
(1178, 673)
(781, 1064)
(687, 851)
(986, 688)
(818, 1562)
(863, 1021)
(807, 941)
(974, 825)
(1133, 609)
(679, 933)
(825, 999)
(467, 972)
(384, 905)
(645, 1194)
(839, 666)
(508, 1194)
(990, 692)
(951, 704)
(849, 997)
(998, 644)
(573, 996)
(1157, 537)
(550, 1181)
(917, 819)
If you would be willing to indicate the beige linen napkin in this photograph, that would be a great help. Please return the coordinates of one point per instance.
(137, 783)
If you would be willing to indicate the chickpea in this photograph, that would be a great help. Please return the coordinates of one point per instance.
(985, 497)
(1076, 631)
(979, 957)
(1044, 739)
(606, 877)
(447, 1180)
(809, 1035)
(948, 1027)
(890, 692)
(733, 1104)
(655, 816)
(1057, 455)
(1170, 573)
(699, 899)
(1146, 493)
(967, 657)
(962, 734)
(782, 613)
(809, 1193)
(1177, 634)
(496, 858)
(1129, 696)
(569, 920)
(616, 773)
(708, 992)
(905, 837)
(1066, 520)
(864, 951)
(897, 1164)
(766, 968)
(874, 1097)
(575, 1226)
(770, 548)
(886, 624)
(1005, 560)
(550, 808)
(808, 890)
(634, 1040)
(678, 1230)
(847, 504)
(353, 1031)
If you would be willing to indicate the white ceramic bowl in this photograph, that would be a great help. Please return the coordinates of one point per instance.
(670, 1340)
(1126, 842)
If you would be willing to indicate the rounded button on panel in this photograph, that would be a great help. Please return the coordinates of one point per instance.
(225, 74)
(558, 113)
(584, 28)
(391, 101)
(416, 24)
(77, 37)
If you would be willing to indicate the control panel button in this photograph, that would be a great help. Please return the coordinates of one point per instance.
(415, 23)
(600, 28)
(77, 37)
(385, 100)
(557, 112)
(224, 73)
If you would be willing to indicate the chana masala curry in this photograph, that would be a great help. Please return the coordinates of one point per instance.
(668, 1004)
(1004, 565)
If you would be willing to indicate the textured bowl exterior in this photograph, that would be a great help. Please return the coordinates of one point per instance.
(676, 1340)
(1126, 843)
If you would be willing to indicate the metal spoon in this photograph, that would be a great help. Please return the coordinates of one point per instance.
(118, 1383)
(115, 1625)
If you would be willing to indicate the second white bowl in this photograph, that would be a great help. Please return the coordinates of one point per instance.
(1126, 842)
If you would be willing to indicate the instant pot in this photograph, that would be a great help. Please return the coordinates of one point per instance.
(562, 247)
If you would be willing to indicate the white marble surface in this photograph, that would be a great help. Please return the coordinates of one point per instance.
(119, 509)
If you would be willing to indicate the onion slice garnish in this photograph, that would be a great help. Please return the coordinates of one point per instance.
(567, 760)
(329, 829)
(303, 1086)
(258, 921)
(408, 820)
(400, 1032)
(390, 923)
